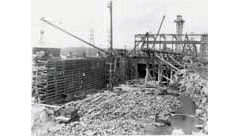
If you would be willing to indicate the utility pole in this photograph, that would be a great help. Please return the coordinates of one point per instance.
(111, 26)
(111, 48)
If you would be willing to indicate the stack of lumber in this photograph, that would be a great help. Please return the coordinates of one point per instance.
(58, 81)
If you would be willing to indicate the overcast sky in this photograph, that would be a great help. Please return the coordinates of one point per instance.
(130, 17)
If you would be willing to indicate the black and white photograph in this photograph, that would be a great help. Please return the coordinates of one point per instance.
(119, 67)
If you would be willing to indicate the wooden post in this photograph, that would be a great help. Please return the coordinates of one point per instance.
(136, 71)
(171, 75)
(110, 77)
(160, 73)
(162, 59)
(147, 74)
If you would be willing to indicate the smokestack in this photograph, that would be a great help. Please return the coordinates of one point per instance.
(179, 26)
(179, 30)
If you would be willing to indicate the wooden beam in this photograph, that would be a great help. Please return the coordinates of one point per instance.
(176, 61)
(161, 59)
(170, 42)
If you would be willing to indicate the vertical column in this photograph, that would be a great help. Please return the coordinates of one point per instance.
(171, 75)
(147, 74)
(136, 70)
(111, 28)
(159, 73)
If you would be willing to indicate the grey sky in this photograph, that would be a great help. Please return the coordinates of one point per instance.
(129, 18)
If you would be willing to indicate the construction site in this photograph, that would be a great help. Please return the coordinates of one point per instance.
(159, 87)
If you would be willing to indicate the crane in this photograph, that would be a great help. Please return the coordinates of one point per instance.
(110, 54)
(74, 36)
(160, 27)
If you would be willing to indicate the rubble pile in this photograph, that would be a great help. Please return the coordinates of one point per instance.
(200, 69)
(118, 113)
(132, 107)
(41, 119)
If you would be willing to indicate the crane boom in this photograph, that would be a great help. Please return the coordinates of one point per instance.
(136, 46)
(160, 27)
(74, 36)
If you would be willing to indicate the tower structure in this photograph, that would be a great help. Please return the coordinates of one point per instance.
(41, 36)
(179, 25)
(92, 41)
(179, 30)
(91, 36)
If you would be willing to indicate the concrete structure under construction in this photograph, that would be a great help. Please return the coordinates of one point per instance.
(159, 56)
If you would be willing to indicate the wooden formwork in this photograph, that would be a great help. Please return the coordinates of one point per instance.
(58, 81)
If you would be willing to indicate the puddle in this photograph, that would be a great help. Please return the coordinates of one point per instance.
(185, 123)
(188, 106)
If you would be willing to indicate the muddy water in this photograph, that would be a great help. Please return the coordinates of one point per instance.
(185, 123)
